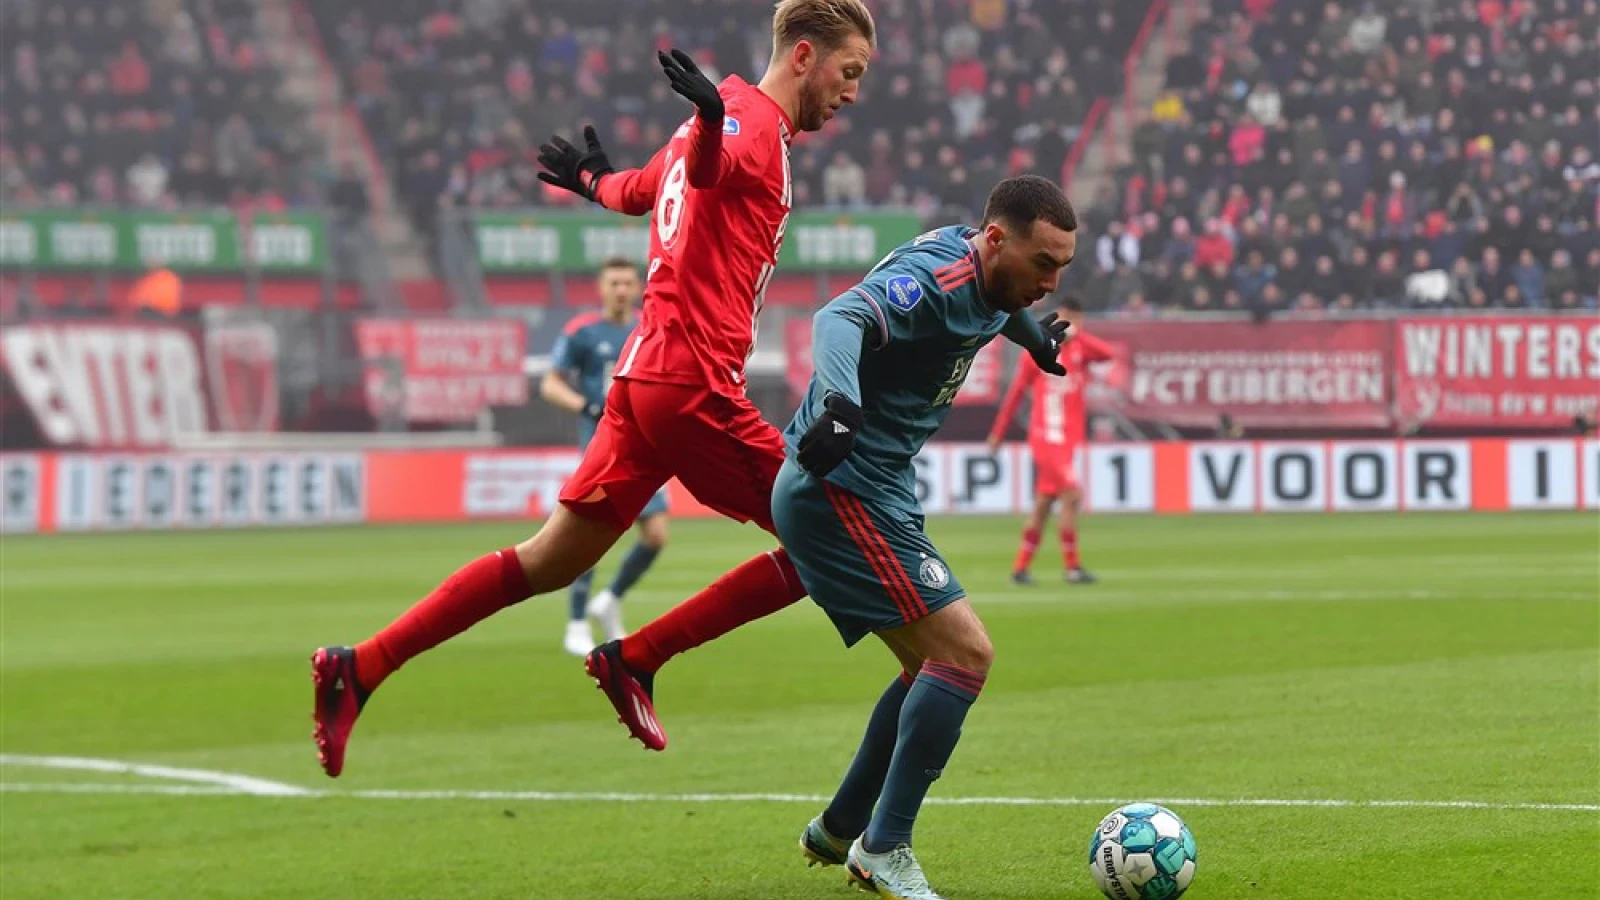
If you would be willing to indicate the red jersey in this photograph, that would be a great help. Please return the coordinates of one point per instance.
(721, 205)
(1059, 415)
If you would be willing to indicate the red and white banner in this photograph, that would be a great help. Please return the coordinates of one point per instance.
(70, 492)
(1274, 374)
(451, 370)
(242, 368)
(984, 383)
(1527, 371)
(141, 385)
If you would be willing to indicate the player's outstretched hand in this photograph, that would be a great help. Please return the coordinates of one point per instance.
(687, 79)
(571, 169)
(831, 437)
(1054, 328)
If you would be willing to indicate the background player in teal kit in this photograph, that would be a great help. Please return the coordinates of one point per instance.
(889, 357)
(582, 363)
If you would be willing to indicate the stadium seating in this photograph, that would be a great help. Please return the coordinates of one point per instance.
(457, 94)
(1343, 155)
(150, 105)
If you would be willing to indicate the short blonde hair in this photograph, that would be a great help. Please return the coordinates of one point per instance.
(826, 23)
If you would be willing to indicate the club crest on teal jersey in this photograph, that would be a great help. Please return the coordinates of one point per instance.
(904, 292)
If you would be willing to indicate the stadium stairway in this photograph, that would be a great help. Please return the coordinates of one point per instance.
(1105, 156)
(294, 45)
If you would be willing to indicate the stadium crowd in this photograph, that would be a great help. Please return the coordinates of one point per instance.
(1414, 153)
(459, 94)
(1303, 154)
(154, 104)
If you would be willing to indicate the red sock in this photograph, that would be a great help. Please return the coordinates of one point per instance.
(1030, 544)
(759, 587)
(475, 592)
(1069, 546)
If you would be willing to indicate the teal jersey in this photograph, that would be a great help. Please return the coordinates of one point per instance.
(586, 356)
(899, 345)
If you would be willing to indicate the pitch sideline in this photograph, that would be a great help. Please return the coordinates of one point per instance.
(208, 783)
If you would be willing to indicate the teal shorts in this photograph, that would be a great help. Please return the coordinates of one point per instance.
(869, 568)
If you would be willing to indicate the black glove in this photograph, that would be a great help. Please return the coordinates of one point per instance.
(687, 79)
(594, 411)
(1055, 329)
(831, 437)
(572, 169)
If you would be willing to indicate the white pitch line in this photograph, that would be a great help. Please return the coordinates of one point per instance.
(243, 784)
(209, 783)
(195, 790)
(171, 790)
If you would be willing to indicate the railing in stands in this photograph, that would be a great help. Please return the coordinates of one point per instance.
(349, 117)
(1085, 139)
(1158, 11)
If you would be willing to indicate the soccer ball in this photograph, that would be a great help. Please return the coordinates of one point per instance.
(1142, 852)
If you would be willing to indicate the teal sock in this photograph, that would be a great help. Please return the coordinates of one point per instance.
(930, 726)
(578, 596)
(634, 565)
(846, 817)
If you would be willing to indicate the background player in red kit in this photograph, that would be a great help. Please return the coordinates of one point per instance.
(1056, 433)
(720, 195)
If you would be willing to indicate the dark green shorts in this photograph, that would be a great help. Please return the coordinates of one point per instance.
(868, 568)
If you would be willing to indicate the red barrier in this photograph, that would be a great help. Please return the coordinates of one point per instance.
(74, 492)
(1278, 374)
(111, 384)
(453, 369)
(1527, 371)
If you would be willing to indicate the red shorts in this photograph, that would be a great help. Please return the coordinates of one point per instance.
(720, 448)
(1055, 468)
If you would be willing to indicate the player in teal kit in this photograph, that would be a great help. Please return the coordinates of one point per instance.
(889, 356)
(580, 375)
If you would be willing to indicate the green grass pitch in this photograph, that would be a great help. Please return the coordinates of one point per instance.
(1364, 659)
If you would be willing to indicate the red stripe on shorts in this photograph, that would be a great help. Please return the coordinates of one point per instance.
(847, 515)
(918, 608)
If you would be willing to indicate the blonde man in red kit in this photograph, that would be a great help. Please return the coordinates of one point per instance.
(719, 193)
(1056, 433)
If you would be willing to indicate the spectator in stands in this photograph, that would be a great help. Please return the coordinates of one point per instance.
(147, 181)
(1188, 285)
(1251, 278)
(1492, 276)
(1528, 275)
(1291, 276)
(844, 182)
(1179, 248)
(1561, 277)
(1325, 281)
(1213, 247)
(1265, 104)
(1117, 246)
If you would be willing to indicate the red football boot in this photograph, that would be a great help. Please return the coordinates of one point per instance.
(630, 693)
(339, 699)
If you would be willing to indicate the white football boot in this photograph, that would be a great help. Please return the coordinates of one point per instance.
(579, 641)
(895, 875)
(605, 610)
